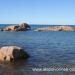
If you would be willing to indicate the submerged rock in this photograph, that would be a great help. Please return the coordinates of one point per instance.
(12, 53)
(21, 27)
(56, 28)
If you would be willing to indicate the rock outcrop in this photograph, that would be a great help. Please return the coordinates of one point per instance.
(12, 53)
(21, 27)
(56, 28)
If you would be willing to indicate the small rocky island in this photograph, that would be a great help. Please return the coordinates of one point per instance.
(12, 53)
(25, 27)
(19, 27)
(56, 28)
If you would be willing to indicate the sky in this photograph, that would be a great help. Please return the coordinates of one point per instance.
(37, 11)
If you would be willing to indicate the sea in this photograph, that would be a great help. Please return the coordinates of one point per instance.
(51, 52)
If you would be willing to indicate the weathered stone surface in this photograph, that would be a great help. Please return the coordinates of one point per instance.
(56, 28)
(21, 27)
(67, 28)
(9, 28)
(12, 53)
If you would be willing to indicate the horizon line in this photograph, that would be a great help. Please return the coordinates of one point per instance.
(35, 24)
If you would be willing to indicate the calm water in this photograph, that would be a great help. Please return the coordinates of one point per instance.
(46, 49)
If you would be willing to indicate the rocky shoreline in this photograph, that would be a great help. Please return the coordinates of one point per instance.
(19, 27)
(56, 28)
(25, 27)
(11, 53)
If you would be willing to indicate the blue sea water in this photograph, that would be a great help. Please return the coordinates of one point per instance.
(46, 49)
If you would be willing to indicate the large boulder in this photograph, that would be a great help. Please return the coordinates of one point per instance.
(12, 53)
(21, 27)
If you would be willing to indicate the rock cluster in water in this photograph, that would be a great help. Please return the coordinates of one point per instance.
(12, 53)
(56, 28)
(21, 27)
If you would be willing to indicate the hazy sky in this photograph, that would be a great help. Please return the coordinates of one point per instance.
(37, 11)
